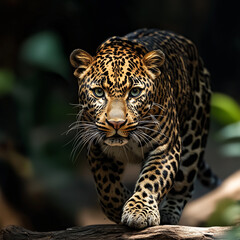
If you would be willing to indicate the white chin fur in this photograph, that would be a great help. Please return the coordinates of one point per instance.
(116, 141)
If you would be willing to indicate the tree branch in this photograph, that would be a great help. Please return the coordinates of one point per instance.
(107, 232)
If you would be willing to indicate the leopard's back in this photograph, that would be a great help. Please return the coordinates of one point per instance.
(184, 68)
(190, 83)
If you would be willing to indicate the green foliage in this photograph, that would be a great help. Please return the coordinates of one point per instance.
(230, 132)
(36, 108)
(224, 109)
(230, 149)
(42, 100)
(7, 80)
(227, 213)
(45, 51)
(233, 234)
(229, 136)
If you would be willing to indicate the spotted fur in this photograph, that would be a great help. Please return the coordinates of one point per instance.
(144, 98)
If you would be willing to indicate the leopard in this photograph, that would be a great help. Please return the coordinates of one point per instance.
(144, 98)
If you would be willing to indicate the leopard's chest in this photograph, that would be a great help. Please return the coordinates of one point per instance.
(131, 152)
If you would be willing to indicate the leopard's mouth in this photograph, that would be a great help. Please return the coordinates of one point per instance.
(116, 140)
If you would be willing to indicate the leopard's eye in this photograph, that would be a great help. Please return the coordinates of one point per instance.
(98, 92)
(135, 92)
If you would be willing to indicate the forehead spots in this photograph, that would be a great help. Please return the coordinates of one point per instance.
(117, 65)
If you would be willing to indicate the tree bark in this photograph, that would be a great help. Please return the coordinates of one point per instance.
(111, 231)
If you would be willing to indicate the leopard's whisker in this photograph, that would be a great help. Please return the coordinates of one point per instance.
(155, 115)
(152, 139)
(83, 137)
(93, 137)
(148, 129)
(145, 138)
(136, 137)
(147, 122)
(159, 106)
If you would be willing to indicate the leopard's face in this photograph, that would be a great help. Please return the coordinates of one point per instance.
(116, 89)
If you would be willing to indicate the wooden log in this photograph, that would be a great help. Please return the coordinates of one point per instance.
(116, 232)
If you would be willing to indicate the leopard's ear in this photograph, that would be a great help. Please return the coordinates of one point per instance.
(80, 60)
(153, 61)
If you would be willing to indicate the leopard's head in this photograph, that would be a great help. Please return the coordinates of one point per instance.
(116, 89)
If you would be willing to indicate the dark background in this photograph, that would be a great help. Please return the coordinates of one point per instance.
(38, 180)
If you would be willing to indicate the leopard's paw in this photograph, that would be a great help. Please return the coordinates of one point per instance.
(140, 214)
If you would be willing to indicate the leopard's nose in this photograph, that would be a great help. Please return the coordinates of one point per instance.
(116, 124)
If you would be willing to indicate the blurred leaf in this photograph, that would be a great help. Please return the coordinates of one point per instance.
(48, 146)
(224, 109)
(58, 108)
(25, 100)
(233, 234)
(231, 149)
(45, 50)
(230, 136)
(227, 213)
(7, 79)
(230, 132)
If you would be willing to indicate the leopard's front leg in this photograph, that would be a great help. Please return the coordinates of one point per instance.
(107, 173)
(155, 181)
